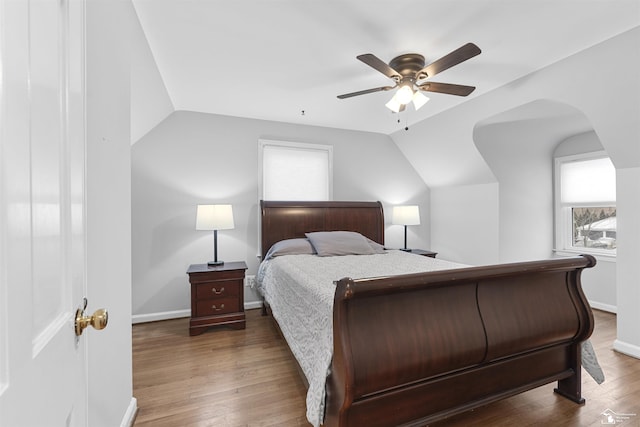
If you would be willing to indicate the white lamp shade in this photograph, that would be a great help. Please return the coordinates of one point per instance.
(419, 100)
(214, 217)
(393, 105)
(405, 215)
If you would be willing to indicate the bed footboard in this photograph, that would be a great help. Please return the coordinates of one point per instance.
(417, 348)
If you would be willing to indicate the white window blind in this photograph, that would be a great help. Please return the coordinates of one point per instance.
(588, 181)
(586, 204)
(295, 171)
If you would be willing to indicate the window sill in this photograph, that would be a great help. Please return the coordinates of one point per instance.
(600, 256)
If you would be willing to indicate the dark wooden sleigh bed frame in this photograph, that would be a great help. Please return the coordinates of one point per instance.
(413, 349)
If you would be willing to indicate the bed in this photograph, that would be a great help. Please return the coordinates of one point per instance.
(414, 348)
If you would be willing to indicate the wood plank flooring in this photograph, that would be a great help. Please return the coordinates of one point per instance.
(233, 378)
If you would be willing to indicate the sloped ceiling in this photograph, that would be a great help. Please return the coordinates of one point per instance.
(275, 59)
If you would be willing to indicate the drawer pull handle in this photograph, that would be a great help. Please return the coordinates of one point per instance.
(217, 292)
(218, 309)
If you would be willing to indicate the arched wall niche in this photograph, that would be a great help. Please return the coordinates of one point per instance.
(519, 146)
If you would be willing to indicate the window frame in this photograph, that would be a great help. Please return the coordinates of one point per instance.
(301, 146)
(563, 224)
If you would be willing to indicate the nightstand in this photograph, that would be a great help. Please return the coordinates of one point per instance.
(424, 253)
(217, 296)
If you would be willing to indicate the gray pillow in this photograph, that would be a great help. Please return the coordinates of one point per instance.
(377, 247)
(290, 247)
(331, 243)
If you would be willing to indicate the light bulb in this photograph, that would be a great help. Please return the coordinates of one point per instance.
(404, 94)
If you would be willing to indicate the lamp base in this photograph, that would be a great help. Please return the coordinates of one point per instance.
(215, 263)
(406, 250)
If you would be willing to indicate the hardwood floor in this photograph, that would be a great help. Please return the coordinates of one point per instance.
(233, 378)
(223, 377)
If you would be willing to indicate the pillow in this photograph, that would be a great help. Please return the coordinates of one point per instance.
(377, 247)
(290, 247)
(330, 243)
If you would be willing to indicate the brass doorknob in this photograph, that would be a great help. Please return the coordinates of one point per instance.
(98, 319)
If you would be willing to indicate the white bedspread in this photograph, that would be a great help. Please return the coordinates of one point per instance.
(300, 290)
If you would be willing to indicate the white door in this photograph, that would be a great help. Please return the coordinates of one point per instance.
(42, 225)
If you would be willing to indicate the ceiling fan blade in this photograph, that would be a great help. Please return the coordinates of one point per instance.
(447, 88)
(377, 64)
(364, 92)
(459, 55)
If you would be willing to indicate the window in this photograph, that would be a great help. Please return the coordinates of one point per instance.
(586, 204)
(295, 171)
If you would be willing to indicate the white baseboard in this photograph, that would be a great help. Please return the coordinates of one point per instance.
(604, 307)
(626, 348)
(177, 314)
(252, 305)
(165, 315)
(130, 415)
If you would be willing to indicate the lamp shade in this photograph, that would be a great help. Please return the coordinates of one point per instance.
(214, 217)
(405, 215)
(393, 105)
(419, 100)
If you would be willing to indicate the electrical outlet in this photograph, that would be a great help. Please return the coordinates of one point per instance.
(250, 281)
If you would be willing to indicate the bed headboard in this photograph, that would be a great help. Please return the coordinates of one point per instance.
(288, 220)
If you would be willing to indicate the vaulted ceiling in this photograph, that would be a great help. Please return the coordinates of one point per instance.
(287, 60)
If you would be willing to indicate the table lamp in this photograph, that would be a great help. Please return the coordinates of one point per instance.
(214, 217)
(405, 215)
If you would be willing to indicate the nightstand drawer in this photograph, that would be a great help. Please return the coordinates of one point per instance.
(221, 289)
(212, 307)
(214, 275)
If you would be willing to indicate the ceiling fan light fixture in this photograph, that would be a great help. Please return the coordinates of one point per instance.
(404, 95)
(419, 100)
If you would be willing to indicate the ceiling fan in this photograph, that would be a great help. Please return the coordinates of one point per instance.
(409, 72)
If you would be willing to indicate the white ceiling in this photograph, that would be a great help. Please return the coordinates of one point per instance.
(272, 59)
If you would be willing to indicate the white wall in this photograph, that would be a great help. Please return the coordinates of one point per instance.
(193, 158)
(150, 101)
(628, 248)
(108, 202)
(465, 223)
(582, 143)
(521, 162)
